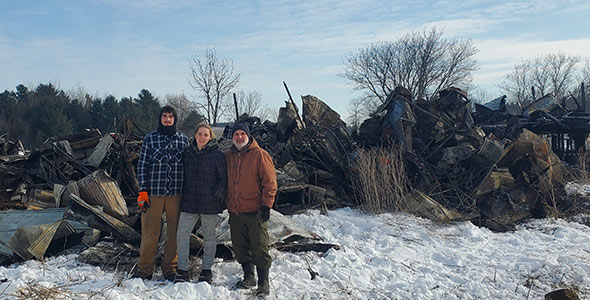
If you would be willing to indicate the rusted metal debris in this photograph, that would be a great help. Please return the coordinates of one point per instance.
(11, 149)
(93, 176)
(31, 225)
(312, 158)
(487, 166)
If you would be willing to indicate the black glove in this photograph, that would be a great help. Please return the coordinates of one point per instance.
(223, 203)
(263, 214)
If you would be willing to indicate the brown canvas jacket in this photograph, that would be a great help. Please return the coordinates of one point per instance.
(252, 180)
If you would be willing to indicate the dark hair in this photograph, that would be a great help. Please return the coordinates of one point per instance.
(168, 109)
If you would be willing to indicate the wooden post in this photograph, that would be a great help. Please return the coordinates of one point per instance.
(236, 106)
(295, 106)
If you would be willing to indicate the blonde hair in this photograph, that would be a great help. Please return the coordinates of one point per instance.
(211, 133)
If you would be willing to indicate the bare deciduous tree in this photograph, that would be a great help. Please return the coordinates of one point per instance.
(359, 109)
(355, 113)
(586, 72)
(189, 115)
(423, 62)
(584, 77)
(182, 104)
(79, 93)
(552, 73)
(213, 77)
(480, 95)
(517, 84)
(251, 104)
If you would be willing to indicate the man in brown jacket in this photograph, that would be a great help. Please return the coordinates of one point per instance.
(252, 186)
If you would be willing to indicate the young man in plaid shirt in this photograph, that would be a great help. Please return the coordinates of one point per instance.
(160, 177)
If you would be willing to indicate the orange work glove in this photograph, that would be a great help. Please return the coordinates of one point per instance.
(143, 200)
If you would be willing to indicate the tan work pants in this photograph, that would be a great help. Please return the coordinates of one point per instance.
(150, 232)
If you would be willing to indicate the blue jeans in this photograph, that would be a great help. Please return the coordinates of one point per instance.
(186, 223)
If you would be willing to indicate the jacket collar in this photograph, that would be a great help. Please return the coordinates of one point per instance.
(175, 135)
(212, 144)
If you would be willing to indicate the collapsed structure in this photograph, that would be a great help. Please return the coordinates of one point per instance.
(486, 166)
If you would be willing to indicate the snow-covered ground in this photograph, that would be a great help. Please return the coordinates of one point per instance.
(388, 256)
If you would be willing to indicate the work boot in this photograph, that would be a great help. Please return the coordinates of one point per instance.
(142, 275)
(170, 275)
(182, 276)
(263, 289)
(206, 276)
(249, 280)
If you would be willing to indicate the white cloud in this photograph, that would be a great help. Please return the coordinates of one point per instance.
(463, 27)
(302, 42)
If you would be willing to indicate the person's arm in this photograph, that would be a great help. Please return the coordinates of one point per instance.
(186, 171)
(144, 163)
(268, 179)
(220, 188)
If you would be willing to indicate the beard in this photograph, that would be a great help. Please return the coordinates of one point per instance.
(242, 145)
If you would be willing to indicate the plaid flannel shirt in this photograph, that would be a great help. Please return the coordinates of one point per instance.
(159, 168)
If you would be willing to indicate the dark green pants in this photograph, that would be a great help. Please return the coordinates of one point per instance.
(249, 238)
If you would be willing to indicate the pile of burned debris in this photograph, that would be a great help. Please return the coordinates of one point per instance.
(311, 154)
(487, 166)
(491, 167)
(82, 188)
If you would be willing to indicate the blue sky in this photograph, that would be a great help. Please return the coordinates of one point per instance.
(122, 46)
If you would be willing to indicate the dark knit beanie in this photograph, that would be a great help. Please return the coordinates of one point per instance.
(241, 126)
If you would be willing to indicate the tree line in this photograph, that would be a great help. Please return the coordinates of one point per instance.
(424, 62)
(33, 115)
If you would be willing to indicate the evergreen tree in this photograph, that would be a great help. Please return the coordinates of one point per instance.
(149, 111)
(22, 93)
(13, 121)
(78, 116)
(98, 115)
(46, 114)
(190, 122)
(112, 111)
(7, 103)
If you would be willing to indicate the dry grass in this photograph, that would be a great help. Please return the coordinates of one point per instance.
(550, 196)
(580, 173)
(381, 183)
(36, 291)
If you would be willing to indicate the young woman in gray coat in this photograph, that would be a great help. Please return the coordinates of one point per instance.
(205, 186)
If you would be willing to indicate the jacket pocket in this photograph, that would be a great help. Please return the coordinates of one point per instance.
(177, 157)
(250, 197)
(159, 155)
